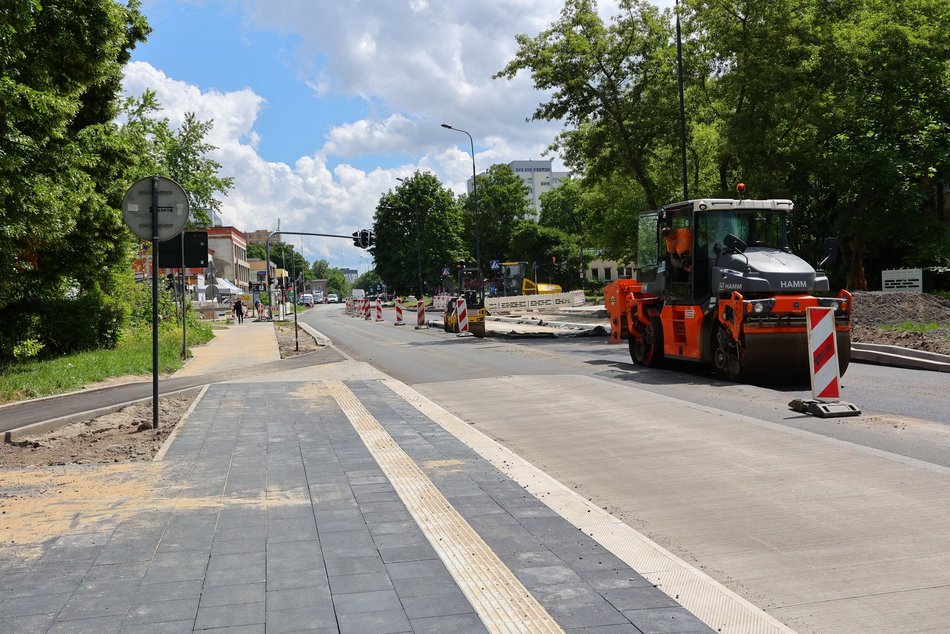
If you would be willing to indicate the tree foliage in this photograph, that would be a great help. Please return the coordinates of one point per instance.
(418, 228)
(502, 203)
(63, 165)
(843, 107)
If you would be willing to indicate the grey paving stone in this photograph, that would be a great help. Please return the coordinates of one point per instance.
(237, 561)
(347, 541)
(168, 627)
(233, 546)
(407, 553)
(585, 615)
(366, 582)
(237, 629)
(445, 604)
(296, 579)
(666, 621)
(644, 597)
(34, 604)
(298, 599)
(567, 595)
(425, 586)
(224, 577)
(387, 516)
(106, 625)
(158, 592)
(255, 532)
(232, 594)
(106, 587)
(612, 579)
(457, 624)
(363, 602)
(84, 607)
(354, 565)
(162, 612)
(229, 615)
(29, 623)
(549, 575)
(307, 619)
(125, 570)
(626, 628)
(384, 622)
(392, 540)
(431, 567)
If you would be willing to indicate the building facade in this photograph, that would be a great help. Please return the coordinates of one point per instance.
(229, 247)
(260, 237)
(537, 176)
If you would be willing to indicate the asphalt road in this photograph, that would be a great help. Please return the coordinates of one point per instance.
(830, 525)
(903, 411)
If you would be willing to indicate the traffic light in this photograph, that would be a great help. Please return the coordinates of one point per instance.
(364, 238)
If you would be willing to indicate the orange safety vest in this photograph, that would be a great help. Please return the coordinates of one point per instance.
(679, 242)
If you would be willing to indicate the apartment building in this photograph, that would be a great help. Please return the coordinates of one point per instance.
(229, 248)
(537, 176)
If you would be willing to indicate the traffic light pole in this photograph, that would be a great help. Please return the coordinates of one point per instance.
(270, 293)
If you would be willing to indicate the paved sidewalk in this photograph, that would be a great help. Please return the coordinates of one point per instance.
(315, 499)
(238, 346)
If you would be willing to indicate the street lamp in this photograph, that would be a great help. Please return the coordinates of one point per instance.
(418, 247)
(478, 253)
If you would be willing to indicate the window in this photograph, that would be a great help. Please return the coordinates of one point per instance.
(593, 274)
(607, 273)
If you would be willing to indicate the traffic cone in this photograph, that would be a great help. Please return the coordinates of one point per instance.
(420, 315)
(462, 312)
(399, 321)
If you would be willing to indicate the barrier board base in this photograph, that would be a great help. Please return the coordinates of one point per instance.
(822, 409)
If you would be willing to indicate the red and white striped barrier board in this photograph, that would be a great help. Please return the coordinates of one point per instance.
(366, 309)
(399, 321)
(462, 311)
(379, 309)
(420, 316)
(823, 354)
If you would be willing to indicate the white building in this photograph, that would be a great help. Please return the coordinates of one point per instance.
(537, 176)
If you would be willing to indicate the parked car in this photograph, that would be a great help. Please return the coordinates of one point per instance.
(306, 299)
(332, 298)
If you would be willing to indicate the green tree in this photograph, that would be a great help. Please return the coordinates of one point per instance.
(63, 165)
(613, 86)
(555, 251)
(502, 203)
(180, 154)
(562, 207)
(418, 228)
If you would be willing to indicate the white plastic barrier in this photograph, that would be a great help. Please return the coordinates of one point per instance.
(534, 302)
(902, 281)
(823, 354)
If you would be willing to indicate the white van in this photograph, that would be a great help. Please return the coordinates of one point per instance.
(358, 293)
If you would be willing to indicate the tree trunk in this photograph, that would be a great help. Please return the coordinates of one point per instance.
(856, 279)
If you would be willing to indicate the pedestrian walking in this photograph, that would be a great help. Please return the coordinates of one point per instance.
(259, 306)
(238, 309)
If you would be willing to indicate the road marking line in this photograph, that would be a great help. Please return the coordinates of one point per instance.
(499, 598)
(710, 601)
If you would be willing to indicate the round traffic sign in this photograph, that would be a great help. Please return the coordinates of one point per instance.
(172, 208)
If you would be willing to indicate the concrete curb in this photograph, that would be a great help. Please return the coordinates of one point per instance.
(896, 356)
(15, 435)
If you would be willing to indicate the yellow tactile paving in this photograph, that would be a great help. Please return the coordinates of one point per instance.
(501, 601)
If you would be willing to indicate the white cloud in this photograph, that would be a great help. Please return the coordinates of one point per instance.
(416, 63)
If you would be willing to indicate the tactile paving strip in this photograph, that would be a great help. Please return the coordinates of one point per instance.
(499, 598)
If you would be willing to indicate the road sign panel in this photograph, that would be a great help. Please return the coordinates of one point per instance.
(172, 208)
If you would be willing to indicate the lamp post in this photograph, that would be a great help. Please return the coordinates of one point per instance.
(478, 253)
(418, 240)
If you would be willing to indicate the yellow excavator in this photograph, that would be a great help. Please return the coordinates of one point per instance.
(516, 282)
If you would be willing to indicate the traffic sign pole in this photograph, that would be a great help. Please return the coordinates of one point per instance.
(155, 302)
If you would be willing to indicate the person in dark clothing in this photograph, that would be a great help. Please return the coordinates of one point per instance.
(238, 309)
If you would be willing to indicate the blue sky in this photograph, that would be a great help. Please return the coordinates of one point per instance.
(319, 105)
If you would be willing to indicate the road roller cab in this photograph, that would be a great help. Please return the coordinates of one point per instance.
(471, 286)
(717, 284)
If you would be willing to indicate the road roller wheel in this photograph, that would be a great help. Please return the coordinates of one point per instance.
(477, 328)
(724, 357)
(647, 350)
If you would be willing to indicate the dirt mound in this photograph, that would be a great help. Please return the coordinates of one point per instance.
(876, 316)
(874, 308)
